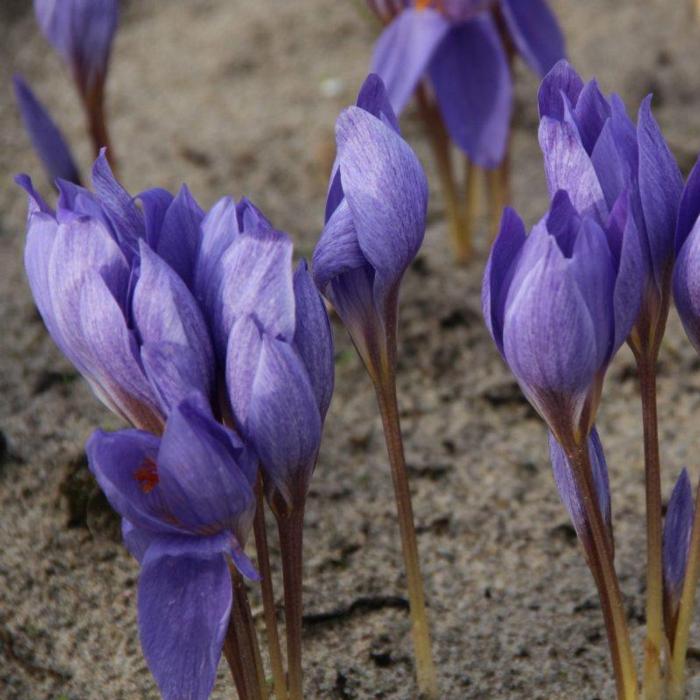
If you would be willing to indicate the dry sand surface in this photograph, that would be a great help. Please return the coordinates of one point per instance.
(239, 97)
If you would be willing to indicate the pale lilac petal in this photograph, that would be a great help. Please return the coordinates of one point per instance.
(154, 203)
(387, 193)
(686, 285)
(535, 32)
(184, 605)
(591, 112)
(472, 82)
(136, 539)
(404, 50)
(689, 207)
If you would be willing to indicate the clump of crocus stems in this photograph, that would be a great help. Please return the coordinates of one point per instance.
(375, 222)
(457, 58)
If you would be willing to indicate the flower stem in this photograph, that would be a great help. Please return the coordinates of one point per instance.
(685, 610)
(472, 175)
(94, 103)
(241, 645)
(600, 561)
(460, 229)
(385, 386)
(499, 191)
(291, 532)
(268, 598)
(653, 686)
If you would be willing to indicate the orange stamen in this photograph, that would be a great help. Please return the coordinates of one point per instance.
(147, 475)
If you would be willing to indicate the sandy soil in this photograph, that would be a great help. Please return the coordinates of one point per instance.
(240, 97)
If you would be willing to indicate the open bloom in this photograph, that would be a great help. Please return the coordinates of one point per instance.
(48, 142)
(104, 280)
(188, 504)
(456, 44)
(560, 302)
(81, 31)
(595, 152)
(273, 341)
(375, 222)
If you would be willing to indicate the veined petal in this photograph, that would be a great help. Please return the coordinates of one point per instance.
(257, 281)
(563, 222)
(48, 142)
(660, 188)
(199, 475)
(155, 203)
(312, 337)
(184, 604)
(561, 81)
(470, 74)
(499, 272)
(548, 338)
(36, 201)
(119, 207)
(591, 112)
(164, 310)
(535, 32)
(404, 50)
(373, 98)
(568, 167)
(612, 169)
(274, 404)
(136, 539)
(180, 234)
(387, 193)
(338, 249)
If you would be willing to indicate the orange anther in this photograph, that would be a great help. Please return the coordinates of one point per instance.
(147, 475)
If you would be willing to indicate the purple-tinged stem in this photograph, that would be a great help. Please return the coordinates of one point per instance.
(653, 684)
(385, 386)
(600, 560)
(685, 610)
(291, 533)
(460, 230)
(268, 598)
(241, 645)
(94, 104)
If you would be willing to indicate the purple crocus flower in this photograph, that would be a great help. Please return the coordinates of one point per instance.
(595, 152)
(457, 45)
(188, 503)
(570, 496)
(678, 526)
(48, 142)
(104, 280)
(560, 302)
(81, 31)
(375, 222)
(273, 341)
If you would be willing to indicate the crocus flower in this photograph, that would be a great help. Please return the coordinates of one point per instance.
(104, 280)
(595, 152)
(569, 493)
(81, 31)
(273, 340)
(560, 302)
(678, 526)
(48, 142)
(456, 44)
(375, 222)
(187, 501)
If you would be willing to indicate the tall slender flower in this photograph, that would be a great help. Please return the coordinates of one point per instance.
(559, 303)
(375, 222)
(48, 142)
(82, 32)
(104, 280)
(187, 501)
(274, 345)
(462, 50)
